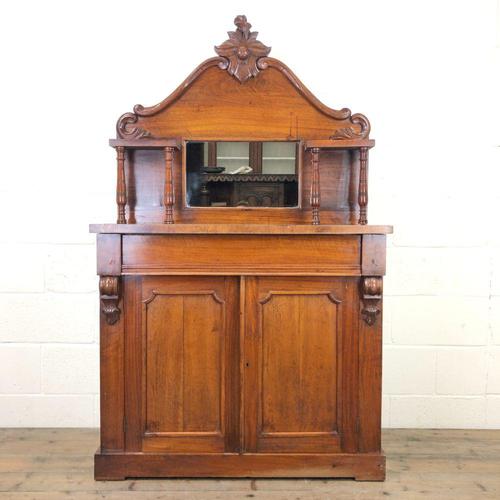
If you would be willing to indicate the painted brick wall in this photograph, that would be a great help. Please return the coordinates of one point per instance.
(425, 73)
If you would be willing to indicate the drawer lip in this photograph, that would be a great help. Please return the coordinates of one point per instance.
(225, 271)
(250, 229)
(333, 255)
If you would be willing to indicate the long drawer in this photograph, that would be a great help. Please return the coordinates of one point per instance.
(334, 255)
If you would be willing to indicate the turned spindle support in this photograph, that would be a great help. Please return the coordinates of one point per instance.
(315, 193)
(169, 186)
(363, 186)
(121, 188)
(353, 187)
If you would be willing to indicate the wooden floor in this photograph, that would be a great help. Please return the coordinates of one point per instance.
(432, 464)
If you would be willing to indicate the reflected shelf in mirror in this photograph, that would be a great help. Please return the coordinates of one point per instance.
(238, 173)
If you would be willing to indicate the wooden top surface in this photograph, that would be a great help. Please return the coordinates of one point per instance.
(237, 229)
(145, 143)
(340, 143)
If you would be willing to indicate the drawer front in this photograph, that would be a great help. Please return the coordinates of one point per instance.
(242, 254)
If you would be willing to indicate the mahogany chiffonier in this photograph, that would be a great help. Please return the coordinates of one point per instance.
(241, 287)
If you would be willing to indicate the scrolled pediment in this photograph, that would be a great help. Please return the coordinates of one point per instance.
(231, 94)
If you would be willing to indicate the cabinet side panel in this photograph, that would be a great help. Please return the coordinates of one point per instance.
(370, 385)
(373, 258)
(112, 386)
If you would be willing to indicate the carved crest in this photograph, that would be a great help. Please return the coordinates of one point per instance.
(242, 51)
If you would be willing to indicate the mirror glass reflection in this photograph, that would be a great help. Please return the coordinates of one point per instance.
(242, 174)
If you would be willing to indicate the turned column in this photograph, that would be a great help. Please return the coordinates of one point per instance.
(121, 188)
(353, 186)
(315, 192)
(363, 186)
(169, 186)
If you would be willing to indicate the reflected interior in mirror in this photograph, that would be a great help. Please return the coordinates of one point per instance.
(242, 174)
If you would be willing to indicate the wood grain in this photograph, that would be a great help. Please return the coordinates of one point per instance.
(216, 106)
(241, 254)
(292, 375)
(373, 254)
(184, 357)
(109, 254)
(112, 391)
(421, 464)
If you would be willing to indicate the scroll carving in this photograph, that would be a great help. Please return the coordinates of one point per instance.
(351, 132)
(109, 290)
(371, 294)
(242, 51)
(126, 127)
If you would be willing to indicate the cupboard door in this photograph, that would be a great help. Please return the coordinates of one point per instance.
(300, 365)
(182, 364)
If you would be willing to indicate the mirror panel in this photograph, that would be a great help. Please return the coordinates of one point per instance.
(242, 174)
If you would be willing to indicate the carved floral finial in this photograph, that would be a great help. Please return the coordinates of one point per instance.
(242, 51)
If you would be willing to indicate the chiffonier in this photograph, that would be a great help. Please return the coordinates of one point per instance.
(241, 286)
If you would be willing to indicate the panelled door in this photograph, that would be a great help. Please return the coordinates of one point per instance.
(182, 364)
(288, 371)
(300, 365)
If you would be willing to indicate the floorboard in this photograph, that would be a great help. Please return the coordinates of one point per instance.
(433, 464)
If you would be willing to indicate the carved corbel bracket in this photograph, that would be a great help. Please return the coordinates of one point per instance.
(371, 295)
(109, 290)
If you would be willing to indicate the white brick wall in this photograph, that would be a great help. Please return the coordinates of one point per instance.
(425, 73)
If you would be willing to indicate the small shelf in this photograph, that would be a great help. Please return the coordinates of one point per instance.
(145, 143)
(340, 144)
(233, 158)
(282, 158)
